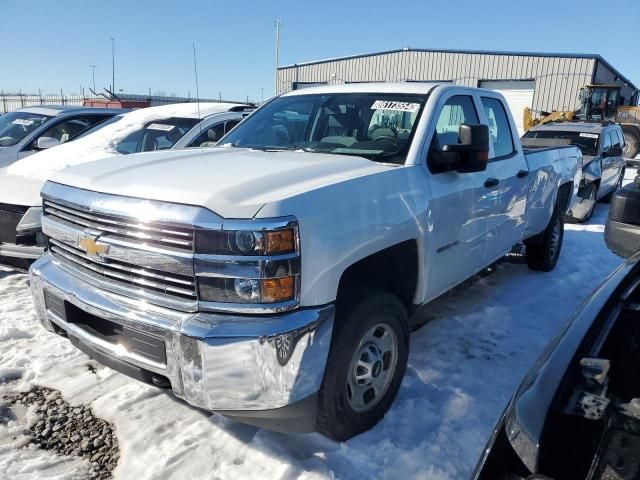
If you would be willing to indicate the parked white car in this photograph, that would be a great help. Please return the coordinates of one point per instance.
(272, 278)
(155, 128)
(33, 129)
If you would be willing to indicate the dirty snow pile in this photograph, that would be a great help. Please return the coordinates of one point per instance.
(103, 142)
(464, 366)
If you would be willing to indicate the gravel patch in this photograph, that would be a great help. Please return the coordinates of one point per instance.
(65, 429)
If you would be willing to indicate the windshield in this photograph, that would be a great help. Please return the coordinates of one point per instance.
(15, 126)
(159, 134)
(587, 142)
(372, 125)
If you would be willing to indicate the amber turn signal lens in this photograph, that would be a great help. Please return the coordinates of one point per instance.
(279, 241)
(278, 289)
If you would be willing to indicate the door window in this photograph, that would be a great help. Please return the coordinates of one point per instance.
(458, 110)
(607, 142)
(212, 135)
(499, 127)
(70, 128)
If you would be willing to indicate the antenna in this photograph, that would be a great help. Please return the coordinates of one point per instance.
(195, 71)
(277, 24)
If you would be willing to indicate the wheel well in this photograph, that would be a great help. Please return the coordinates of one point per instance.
(394, 269)
(564, 195)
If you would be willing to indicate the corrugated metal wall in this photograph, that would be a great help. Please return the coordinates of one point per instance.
(558, 79)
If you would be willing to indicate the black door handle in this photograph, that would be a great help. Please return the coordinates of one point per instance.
(522, 173)
(491, 182)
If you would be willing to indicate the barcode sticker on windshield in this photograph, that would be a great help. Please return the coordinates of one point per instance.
(161, 126)
(397, 106)
(22, 121)
(589, 135)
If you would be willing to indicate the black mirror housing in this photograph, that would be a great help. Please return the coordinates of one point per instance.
(470, 155)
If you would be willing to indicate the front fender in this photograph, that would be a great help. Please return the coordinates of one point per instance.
(349, 220)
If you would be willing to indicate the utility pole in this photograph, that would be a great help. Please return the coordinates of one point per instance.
(277, 24)
(93, 74)
(113, 64)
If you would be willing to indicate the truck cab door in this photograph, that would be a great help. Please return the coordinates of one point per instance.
(509, 170)
(461, 204)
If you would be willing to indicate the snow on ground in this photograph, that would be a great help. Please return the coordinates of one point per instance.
(464, 366)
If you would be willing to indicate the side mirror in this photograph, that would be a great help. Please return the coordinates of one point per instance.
(470, 155)
(614, 151)
(47, 142)
(622, 232)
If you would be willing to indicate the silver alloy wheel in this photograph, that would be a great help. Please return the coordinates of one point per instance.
(372, 367)
(555, 239)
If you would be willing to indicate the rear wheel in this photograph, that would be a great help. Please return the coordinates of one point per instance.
(366, 363)
(632, 145)
(543, 250)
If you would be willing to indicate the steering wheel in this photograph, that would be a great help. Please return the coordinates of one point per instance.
(385, 138)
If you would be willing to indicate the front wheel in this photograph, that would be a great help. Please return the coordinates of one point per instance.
(543, 250)
(366, 364)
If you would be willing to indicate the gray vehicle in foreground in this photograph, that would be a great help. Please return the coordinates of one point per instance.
(29, 130)
(576, 415)
(603, 164)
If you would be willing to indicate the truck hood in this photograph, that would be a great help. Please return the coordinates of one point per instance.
(19, 190)
(232, 182)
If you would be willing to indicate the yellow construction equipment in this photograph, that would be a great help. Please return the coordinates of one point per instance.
(598, 103)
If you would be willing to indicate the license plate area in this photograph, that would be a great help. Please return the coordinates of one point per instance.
(143, 344)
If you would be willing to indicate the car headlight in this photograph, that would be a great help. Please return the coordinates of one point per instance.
(249, 265)
(31, 220)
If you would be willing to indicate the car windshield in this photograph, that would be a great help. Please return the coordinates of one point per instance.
(159, 134)
(371, 125)
(15, 126)
(586, 141)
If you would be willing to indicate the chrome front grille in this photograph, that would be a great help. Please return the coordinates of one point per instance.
(150, 260)
(112, 270)
(122, 227)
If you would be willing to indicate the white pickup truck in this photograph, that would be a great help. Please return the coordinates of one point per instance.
(272, 278)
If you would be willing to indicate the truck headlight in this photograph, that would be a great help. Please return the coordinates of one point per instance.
(249, 265)
(243, 242)
(31, 220)
(247, 290)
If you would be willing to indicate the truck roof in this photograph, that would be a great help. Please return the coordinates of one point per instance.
(373, 87)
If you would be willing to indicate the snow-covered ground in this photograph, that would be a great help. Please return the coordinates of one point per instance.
(464, 366)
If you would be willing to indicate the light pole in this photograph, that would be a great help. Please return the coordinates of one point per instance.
(93, 75)
(277, 24)
(262, 95)
(113, 64)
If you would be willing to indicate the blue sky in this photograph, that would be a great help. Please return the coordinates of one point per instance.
(49, 45)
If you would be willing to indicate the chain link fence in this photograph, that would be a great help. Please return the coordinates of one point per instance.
(10, 102)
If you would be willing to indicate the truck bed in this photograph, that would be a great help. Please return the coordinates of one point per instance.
(549, 168)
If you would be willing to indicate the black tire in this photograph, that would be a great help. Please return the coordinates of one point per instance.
(607, 198)
(359, 313)
(631, 145)
(543, 250)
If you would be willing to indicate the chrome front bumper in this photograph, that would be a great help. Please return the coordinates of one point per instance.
(213, 361)
(29, 252)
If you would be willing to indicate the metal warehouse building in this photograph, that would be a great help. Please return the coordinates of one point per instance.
(541, 81)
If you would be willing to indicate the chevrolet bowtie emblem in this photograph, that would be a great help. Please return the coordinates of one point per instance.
(92, 247)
